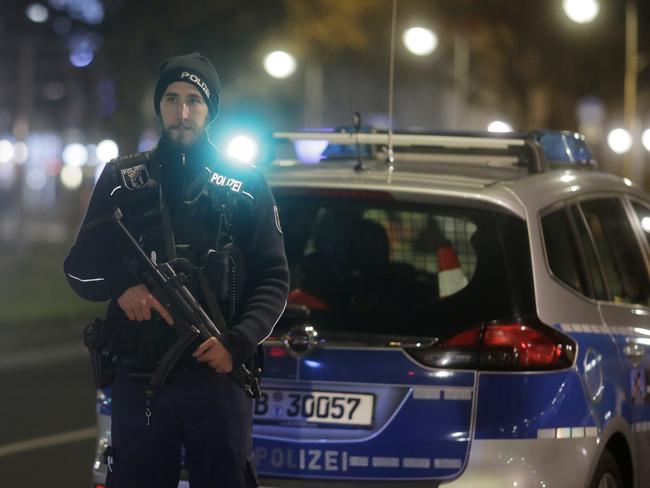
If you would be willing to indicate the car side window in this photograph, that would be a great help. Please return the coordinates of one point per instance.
(643, 213)
(561, 250)
(618, 250)
(591, 260)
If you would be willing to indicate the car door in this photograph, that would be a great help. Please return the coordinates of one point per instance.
(625, 270)
(640, 212)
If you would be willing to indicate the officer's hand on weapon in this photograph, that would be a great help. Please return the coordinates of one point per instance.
(138, 302)
(215, 354)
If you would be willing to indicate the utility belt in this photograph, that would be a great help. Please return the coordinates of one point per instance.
(105, 363)
(137, 375)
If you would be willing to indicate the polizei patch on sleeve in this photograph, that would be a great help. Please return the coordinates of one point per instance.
(135, 177)
(277, 218)
(221, 180)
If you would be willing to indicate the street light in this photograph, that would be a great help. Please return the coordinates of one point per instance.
(420, 41)
(499, 126)
(581, 11)
(645, 139)
(280, 64)
(645, 223)
(619, 141)
(585, 11)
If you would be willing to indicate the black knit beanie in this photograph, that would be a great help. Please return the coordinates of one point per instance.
(195, 69)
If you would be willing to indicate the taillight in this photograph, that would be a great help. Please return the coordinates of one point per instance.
(526, 345)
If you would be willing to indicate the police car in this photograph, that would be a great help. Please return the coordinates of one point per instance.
(465, 311)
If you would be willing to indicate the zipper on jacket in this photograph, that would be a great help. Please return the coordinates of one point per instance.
(183, 159)
(233, 291)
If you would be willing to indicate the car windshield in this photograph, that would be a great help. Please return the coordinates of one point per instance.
(363, 262)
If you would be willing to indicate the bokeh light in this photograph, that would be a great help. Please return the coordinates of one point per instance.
(107, 150)
(499, 126)
(645, 223)
(72, 177)
(581, 11)
(280, 64)
(420, 41)
(87, 11)
(37, 12)
(82, 48)
(645, 139)
(619, 140)
(81, 57)
(75, 155)
(21, 152)
(6, 151)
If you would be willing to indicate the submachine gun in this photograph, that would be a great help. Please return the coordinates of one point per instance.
(190, 320)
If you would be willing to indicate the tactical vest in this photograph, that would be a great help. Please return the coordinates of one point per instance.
(195, 234)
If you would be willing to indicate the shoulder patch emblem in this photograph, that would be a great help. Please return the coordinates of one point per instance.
(136, 177)
(277, 219)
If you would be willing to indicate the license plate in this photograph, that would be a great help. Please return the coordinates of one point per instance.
(315, 407)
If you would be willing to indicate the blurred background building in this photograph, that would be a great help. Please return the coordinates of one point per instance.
(77, 80)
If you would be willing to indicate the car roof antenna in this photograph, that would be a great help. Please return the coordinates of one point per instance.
(390, 157)
(356, 120)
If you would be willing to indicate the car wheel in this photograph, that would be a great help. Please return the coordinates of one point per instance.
(608, 474)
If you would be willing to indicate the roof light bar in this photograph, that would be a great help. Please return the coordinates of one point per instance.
(452, 142)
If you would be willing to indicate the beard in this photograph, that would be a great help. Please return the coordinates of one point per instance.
(183, 136)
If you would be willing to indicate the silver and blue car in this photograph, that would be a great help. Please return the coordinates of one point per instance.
(465, 310)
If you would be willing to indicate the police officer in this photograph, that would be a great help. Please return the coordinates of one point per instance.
(218, 223)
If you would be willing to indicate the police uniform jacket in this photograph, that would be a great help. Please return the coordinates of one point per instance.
(223, 221)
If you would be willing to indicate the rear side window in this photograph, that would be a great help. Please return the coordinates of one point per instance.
(643, 214)
(369, 264)
(618, 250)
(591, 260)
(561, 250)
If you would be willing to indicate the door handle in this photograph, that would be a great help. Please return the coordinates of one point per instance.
(634, 350)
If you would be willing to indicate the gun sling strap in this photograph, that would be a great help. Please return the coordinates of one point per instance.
(170, 251)
(174, 353)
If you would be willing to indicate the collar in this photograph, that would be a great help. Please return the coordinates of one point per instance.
(181, 167)
(185, 161)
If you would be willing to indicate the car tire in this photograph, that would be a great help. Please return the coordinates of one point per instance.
(607, 474)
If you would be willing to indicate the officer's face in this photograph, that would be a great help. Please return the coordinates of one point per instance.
(183, 112)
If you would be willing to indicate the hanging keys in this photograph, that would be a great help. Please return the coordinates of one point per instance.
(149, 392)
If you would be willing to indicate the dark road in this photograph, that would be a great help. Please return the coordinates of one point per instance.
(47, 412)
